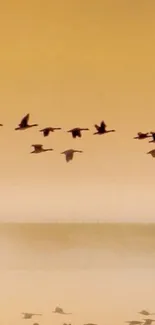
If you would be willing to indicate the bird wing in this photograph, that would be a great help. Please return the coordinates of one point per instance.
(24, 121)
(76, 133)
(103, 125)
(37, 146)
(69, 156)
(97, 127)
(153, 135)
(46, 132)
(59, 310)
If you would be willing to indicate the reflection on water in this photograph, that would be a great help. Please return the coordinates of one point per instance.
(102, 273)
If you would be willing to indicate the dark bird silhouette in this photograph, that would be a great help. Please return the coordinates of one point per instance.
(145, 313)
(1, 124)
(38, 148)
(29, 315)
(102, 129)
(152, 153)
(46, 131)
(59, 310)
(24, 123)
(148, 321)
(76, 132)
(141, 135)
(153, 136)
(70, 153)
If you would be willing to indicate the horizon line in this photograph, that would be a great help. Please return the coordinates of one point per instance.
(75, 222)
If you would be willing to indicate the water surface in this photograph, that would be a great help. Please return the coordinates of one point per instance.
(102, 273)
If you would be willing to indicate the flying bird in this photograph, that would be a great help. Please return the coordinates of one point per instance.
(70, 153)
(145, 313)
(152, 153)
(23, 125)
(38, 148)
(153, 136)
(102, 128)
(1, 124)
(76, 132)
(29, 315)
(59, 310)
(148, 321)
(141, 135)
(46, 131)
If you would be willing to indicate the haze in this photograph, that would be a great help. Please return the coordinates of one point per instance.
(71, 64)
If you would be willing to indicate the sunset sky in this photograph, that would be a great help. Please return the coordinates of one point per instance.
(75, 63)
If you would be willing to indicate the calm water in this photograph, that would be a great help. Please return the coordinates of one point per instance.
(102, 273)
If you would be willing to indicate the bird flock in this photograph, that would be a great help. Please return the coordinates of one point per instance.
(59, 310)
(75, 132)
(144, 321)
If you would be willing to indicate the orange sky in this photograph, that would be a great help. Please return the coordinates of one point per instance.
(74, 63)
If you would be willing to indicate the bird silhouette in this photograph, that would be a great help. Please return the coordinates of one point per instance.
(23, 125)
(1, 124)
(46, 131)
(141, 135)
(153, 136)
(152, 153)
(148, 321)
(70, 153)
(76, 132)
(145, 313)
(38, 148)
(59, 310)
(29, 315)
(102, 128)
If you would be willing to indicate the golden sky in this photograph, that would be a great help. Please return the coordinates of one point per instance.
(74, 63)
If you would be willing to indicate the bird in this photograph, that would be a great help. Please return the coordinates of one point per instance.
(148, 321)
(76, 132)
(134, 322)
(145, 312)
(152, 153)
(59, 310)
(38, 148)
(102, 128)
(141, 135)
(153, 136)
(23, 125)
(70, 153)
(46, 131)
(1, 124)
(29, 315)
